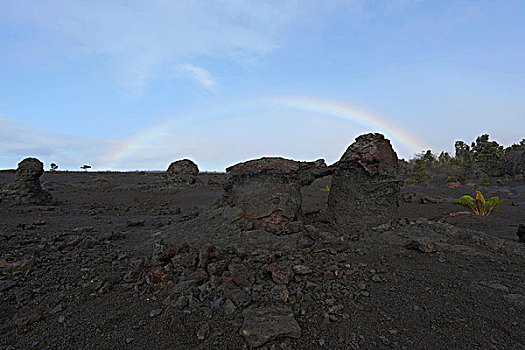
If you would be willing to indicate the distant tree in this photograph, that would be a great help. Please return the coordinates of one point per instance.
(85, 167)
(426, 156)
(444, 158)
(463, 153)
(516, 146)
(420, 171)
(53, 167)
(487, 154)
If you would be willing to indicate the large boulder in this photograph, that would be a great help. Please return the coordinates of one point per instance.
(26, 189)
(182, 172)
(270, 187)
(366, 184)
(513, 162)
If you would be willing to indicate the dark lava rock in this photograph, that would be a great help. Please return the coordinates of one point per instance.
(366, 183)
(182, 172)
(521, 233)
(281, 273)
(513, 162)
(263, 325)
(26, 189)
(270, 187)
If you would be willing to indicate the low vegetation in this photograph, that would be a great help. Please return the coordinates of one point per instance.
(479, 205)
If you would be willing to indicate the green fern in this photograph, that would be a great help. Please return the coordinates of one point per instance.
(327, 189)
(479, 205)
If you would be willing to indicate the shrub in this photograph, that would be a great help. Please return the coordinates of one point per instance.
(100, 179)
(485, 180)
(420, 170)
(479, 206)
(410, 182)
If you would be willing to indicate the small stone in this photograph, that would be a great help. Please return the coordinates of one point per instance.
(56, 309)
(302, 270)
(135, 223)
(203, 331)
(264, 324)
(229, 307)
(27, 319)
(376, 278)
(129, 340)
(154, 313)
(421, 245)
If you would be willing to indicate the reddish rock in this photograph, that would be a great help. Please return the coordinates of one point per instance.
(281, 273)
(198, 275)
(235, 294)
(206, 253)
(188, 259)
(216, 268)
(241, 275)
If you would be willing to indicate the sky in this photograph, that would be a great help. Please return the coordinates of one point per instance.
(137, 84)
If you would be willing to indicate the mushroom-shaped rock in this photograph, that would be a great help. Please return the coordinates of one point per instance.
(366, 183)
(27, 189)
(270, 186)
(182, 171)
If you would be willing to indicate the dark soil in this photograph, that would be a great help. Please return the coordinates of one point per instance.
(82, 274)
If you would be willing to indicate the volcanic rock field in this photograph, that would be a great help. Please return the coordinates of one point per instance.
(273, 254)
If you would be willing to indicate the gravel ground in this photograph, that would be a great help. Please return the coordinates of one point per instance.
(123, 261)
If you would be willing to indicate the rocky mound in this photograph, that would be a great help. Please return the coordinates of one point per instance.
(270, 188)
(366, 184)
(182, 172)
(26, 189)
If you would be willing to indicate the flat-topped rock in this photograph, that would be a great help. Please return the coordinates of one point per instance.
(366, 183)
(270, 186)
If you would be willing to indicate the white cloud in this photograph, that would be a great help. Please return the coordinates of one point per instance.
(138, 40)
(201, 75)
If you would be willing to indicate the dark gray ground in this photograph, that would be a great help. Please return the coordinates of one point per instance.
(65, 271)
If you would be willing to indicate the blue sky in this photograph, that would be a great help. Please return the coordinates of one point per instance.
(136, 84)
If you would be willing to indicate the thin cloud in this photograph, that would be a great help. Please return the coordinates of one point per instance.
(137, 41)
(201, 75)
(18, 141)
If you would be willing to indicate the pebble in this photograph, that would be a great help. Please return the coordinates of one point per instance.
(154, 313)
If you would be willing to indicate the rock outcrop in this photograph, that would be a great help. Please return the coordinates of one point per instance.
(182, 172)
(270, 188)
(26, 189)
(513, 162)
(365, 184)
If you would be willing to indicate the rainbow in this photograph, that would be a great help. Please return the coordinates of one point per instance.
(332, 108)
